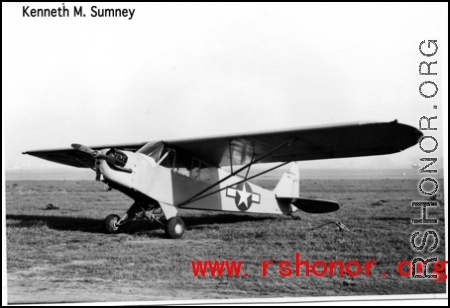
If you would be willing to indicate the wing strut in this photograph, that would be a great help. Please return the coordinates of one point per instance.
(231, 157)
(244, 180)
(248, 170)
(286, 143)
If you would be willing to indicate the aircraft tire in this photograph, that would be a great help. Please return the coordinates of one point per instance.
(110, 224)
(175, 227)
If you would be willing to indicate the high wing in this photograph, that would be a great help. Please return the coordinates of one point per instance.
(75, 158)
(348, 140)
(340, 141)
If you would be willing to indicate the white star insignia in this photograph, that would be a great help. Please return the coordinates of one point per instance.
(243, 196)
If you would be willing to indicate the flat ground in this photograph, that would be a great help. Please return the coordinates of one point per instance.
(62, 255)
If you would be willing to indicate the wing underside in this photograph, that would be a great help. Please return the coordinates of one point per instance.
(75, 158)
(351, 140)
(340, 141)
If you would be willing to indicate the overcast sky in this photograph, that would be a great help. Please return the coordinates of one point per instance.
(192, 70)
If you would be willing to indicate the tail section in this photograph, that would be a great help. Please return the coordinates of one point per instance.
(316, 206)
(288, 192)
(289, 184)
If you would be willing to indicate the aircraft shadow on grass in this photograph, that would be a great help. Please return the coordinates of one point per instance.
(91, 225)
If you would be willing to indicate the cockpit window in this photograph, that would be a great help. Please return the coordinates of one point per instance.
(179, 161)
(200, 171)
(153, 149)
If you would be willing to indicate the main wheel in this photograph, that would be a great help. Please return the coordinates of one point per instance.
(110, 223)
(175, 227)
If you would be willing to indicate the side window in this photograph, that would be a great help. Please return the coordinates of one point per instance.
(182, 171)
(183, 164)
(200, 171)
(205, 173)
(195, 171)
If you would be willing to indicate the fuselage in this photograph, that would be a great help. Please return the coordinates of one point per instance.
(148, 180)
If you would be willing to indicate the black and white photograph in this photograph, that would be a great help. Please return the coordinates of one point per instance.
(224, 153)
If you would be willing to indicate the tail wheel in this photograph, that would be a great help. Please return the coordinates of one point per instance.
(175, 227)
(110, 223)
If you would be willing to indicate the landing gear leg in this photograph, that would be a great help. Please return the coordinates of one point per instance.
(137, 211)
(175, 225)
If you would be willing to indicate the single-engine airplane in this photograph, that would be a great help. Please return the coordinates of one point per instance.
(163, 177)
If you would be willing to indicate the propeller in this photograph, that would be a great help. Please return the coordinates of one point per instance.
(98, 155)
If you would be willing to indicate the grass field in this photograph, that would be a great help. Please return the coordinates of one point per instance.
(62, 255)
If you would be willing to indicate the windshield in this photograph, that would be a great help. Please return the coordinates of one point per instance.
(152, 149)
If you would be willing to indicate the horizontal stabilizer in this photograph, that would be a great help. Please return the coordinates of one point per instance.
(315, 206)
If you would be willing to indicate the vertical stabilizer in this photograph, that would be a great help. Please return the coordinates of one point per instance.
(289, 184)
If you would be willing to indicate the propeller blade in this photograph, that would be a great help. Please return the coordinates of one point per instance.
(110, 159)
(98, 155)
(83, 148)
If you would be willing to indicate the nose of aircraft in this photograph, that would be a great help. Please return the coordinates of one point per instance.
(120, 174)
(111, 156)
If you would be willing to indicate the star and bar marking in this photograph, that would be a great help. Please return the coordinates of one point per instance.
(243, 196)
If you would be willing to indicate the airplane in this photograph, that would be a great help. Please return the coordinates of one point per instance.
(166, 176)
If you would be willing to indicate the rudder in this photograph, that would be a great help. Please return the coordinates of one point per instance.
(289, 184)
